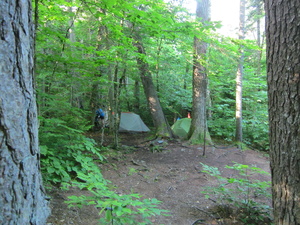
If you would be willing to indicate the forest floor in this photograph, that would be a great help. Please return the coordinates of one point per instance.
(172, 175)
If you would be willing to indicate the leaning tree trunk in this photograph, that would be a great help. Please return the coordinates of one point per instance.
(198, 132)
(283, 69)
(162, 126)
(22, 197)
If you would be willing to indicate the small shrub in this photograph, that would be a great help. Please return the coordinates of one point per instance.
(132, 171)
(64, 151)
(246, 196)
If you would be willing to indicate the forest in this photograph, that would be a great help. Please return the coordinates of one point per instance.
(86, 57)
(165, 62)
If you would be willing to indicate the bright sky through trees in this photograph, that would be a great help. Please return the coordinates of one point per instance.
(226, 11)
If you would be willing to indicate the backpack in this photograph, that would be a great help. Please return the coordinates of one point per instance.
(100, 113)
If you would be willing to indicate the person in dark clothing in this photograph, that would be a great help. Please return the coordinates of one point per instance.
(100, 116)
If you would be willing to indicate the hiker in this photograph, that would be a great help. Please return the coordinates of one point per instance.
(100, 115)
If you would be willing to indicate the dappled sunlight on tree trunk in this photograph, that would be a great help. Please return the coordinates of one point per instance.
(198, 132)
(239, 79)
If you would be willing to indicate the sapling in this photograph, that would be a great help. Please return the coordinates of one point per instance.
(248, 197)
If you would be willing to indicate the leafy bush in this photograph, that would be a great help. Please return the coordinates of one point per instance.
(114, 208)
(64, 150)
(241, 193)
(256, 132)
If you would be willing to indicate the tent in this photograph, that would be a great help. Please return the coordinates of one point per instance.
(131, 122)
(181, 127)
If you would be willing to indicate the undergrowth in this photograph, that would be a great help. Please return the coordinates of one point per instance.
(69, 159)
(240, 197)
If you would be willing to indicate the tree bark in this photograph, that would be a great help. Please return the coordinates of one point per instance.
(136, 103)
(162, 126)
(259, 35)
(283, 70)
(198, 131)
(22, 196)
(239, 78)
(115, 105)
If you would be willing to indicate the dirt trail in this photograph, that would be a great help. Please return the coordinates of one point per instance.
(169, 171)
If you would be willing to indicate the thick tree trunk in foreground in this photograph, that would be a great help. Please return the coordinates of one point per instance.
(283, 65)
(22, 198)
(198, 131)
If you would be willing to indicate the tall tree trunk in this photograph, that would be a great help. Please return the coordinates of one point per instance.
(97, 97)
(198, 131)
(115, 106)
(258, 36)
(123, 85)
(162, 126)
(159, 48)
(239, 77)
(74, 99)
(283, 70)
(22, 196)
(136, 104)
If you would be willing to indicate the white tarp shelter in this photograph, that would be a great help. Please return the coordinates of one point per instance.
(131, 122)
